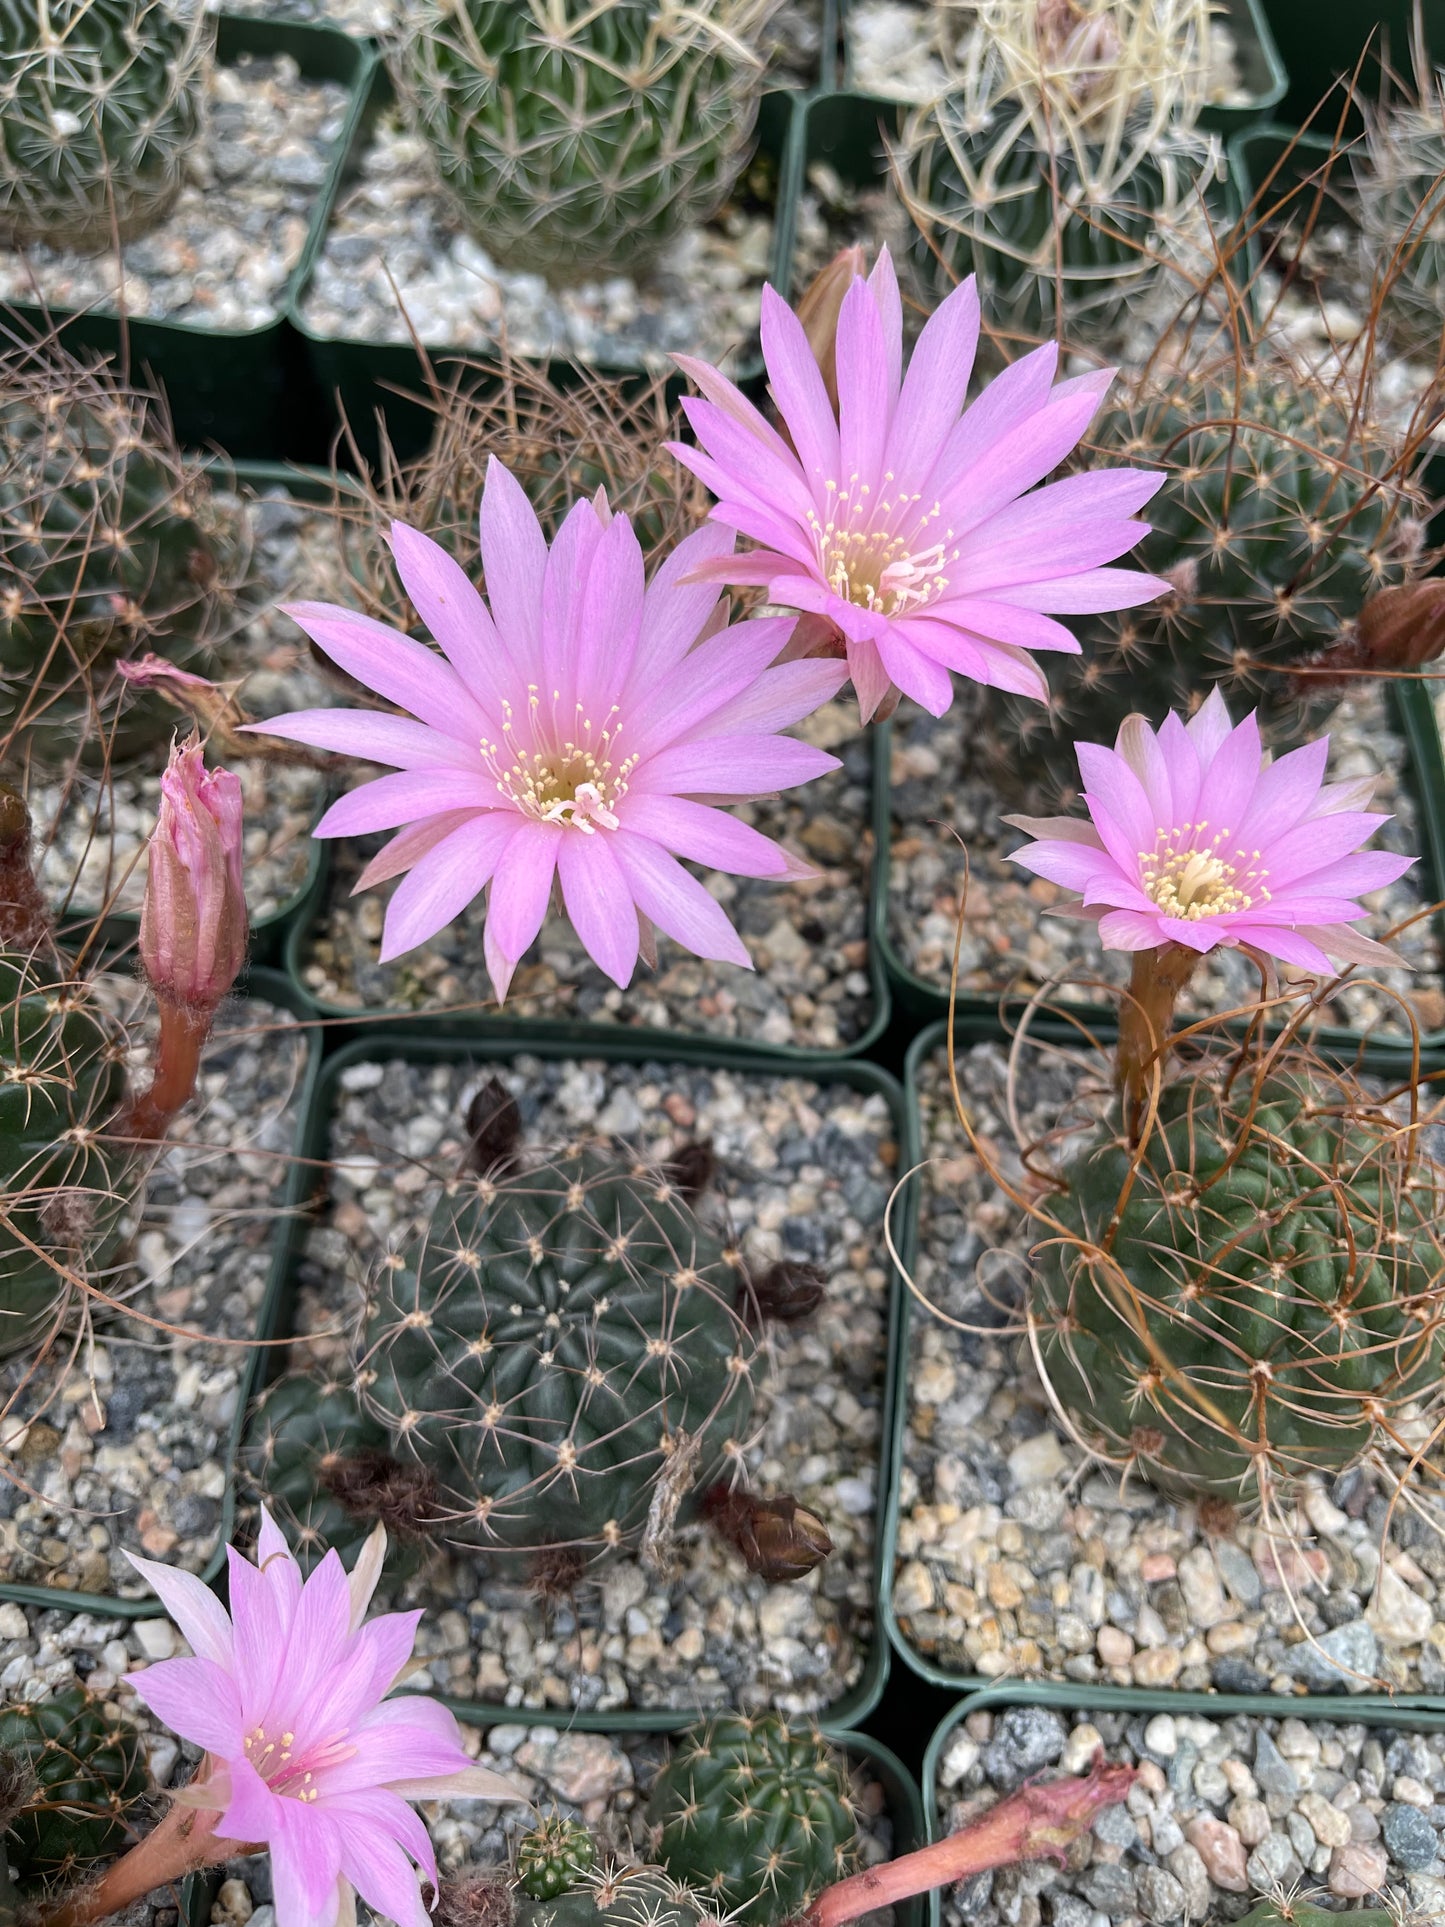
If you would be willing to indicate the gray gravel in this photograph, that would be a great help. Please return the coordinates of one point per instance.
(942, 783)
(221, 257)
(1224, 1811)
(806, 1174)
(123, 1438)
(810, 986)
(1017, 1557)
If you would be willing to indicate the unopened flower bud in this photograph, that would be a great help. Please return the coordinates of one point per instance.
(1398, 630)
(787, 1291)
(777, 1538)
(193, 923)
(820, 307)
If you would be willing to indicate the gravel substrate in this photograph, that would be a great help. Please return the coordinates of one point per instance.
(806, 1173)
(1017, 1556)
(1224, 1811)
(810, 987)
(122, 1436)
(221, 257)
(396, 261)
(92, 834)
(941, 784)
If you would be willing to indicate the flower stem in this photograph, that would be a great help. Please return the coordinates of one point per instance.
(183, 1842)
(1036, 1823)
(183, 1033)
(1146, 1021)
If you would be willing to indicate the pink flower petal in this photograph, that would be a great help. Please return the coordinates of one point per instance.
(452, 609)
(883, 286)
(797, 388)
(408, 847)
(731, 766)
(705, 835)
(1290, 946)
(405, 797)
(865, 397)
(935, 384)
(514, 561)
(192, 1605)
(445, 879)
(599, 903)
(305, 1865)
(406, 673)
(1130, 930)
(676, 902)
(521, 886)
(393, 740)
(196, 1698)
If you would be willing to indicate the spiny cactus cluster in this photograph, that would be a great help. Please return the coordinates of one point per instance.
(756, 1813)
(111, 545)
(100, 104)
(1255, 1293)
(578, 136)
(557, 1855)
(617, 1897)
(1286, 508)
(86, 1779)
(1400, 182)
(1295, 1911)
(1061, 163)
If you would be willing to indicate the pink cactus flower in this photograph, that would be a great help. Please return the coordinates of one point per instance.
(304, 1754)
(194, 926)
(1195, 837)
(899, 521)
(580, 731)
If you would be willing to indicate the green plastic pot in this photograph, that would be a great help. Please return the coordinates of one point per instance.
(363, 381)
(1261, 69)
(286, 1238)
(1322, 44)
(238, 389)
(278, 1314)
(975, 1027)
(1124, 1700)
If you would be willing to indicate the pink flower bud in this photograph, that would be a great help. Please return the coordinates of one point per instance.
(193, 926)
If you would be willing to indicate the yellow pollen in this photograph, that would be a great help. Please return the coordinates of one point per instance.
(560, 771)
(1192, 875)
(885, 555)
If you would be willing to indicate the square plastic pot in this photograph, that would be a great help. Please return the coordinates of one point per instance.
(278, 1315)
(244, 390)
(1322, 43)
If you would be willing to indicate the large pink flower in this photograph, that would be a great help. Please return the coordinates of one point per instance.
(581, 731)
(899, 522)
(1194, 837)
(304, 1754)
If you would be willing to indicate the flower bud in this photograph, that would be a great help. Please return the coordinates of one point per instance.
(1404, 627)
(193, 926)
(820, 307)
(788, 1291)
(777, 1538)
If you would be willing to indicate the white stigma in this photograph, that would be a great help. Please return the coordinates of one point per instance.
(886, 554)
(570, 773)
(1192, 875)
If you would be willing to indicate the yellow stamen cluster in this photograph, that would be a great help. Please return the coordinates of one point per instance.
(868, 561)
(569, 773)
(1192, 874)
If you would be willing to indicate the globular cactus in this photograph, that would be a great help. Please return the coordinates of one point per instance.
(86, 1778)
(556, 1856)
(111, 546)
(756, 1813)
(1285, 510)
(1400, 183)
(612, 1897)
(100, 104)
(579, 136)
(1295, 1911)
(1061, 163)
(1255, 1293)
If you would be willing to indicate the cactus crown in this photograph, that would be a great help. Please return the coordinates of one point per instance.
(1253, 1293)
(554, 1857)
(577, 135)
(1292, 1910)
(100, 102)
(111, 545)
(88, 1775)
(755, 1812)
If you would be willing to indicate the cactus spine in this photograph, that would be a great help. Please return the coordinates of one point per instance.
(554, 1857)
(100, 101)
(1400, 182)
(87, 1775)
(616, 1897)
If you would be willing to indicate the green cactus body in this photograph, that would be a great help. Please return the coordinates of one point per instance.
(757, 1814)
(64, 1189)
(556, 1856)
(100, 103)
(577, 136)
(1303, 1913)
(110, 547)
(89, 1777)
(1282, 514)
(563, 1349)
(1401, 202)
(618, 1897)
(1255, 1301)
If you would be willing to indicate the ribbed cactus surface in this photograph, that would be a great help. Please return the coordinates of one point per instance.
(556, 1856)
(100, 104)
(755, 1812)
(88, 1777)
(578, 136)
(1253, 1295)
(618, 1897)
(63, 1189)
(564, 1351)
(1295, 1911)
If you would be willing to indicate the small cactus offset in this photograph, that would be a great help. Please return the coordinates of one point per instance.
(1286, 510)
(100, 104)
(757, 1813)
(578, 136)
(111, 546)
(1253, 1294)
(556, 1856)
(1061, 164)
(87, 1778)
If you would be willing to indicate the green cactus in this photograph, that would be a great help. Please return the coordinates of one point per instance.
(63, 1190)
(111, 546)
(578, 136)
(100, 104)
(89, 1776)
(756, 1813)
(1400, 183)
(554, 1857)
(1061, 163)
(617, 1897)
(1295, 1912)
(1284, 511)
(1252, 1295)
(564, 1350)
